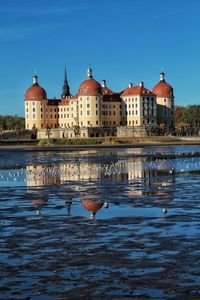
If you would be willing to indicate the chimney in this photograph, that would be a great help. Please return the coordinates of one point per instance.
(130, 85)
(141, 83)
(103, 83)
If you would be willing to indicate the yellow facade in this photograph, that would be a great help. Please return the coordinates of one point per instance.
(165, 107)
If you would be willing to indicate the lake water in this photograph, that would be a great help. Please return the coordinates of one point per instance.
(117, 223)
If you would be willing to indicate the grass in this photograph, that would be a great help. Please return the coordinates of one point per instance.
(110, 141)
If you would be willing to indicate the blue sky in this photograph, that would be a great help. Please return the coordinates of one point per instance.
(123, 40)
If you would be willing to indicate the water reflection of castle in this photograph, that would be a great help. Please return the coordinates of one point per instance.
(137, 177)
(124, 169)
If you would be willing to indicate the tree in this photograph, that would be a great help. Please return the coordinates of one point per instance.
(191, 115)
(34, 132)
(48, 132)
(77, 130)
(10, 122)
(179, 113)
(1, 131)
(17, 130)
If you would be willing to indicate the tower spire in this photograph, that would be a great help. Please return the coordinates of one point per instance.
(89, 73)
(162, 76)
(65, 76)
(65, 89)
(35, 78)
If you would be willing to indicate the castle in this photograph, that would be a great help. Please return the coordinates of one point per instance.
(98, 111)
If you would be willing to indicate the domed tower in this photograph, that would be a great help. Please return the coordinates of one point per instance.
(165, 101)
(90, 99)
(35, 102)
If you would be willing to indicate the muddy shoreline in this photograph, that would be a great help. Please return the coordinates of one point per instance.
(87, 147)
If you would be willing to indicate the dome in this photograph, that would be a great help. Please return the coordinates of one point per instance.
(35, 92)
(89, 87)
(163, 89)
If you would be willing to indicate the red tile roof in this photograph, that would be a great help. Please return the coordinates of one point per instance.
(136, 90)
(106, 91)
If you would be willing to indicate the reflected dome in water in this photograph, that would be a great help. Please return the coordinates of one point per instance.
(91, 205)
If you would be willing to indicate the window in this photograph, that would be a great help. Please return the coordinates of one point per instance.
(88, 112)
(88, 105)
(27, 116)
(97, 122)
(33, 109)
(27, 110)
(88, 122)
(33, 116)
(96, 112)
(41, 116)
(33, 103)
